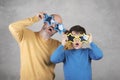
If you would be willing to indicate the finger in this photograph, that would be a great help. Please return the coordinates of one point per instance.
(41, 15)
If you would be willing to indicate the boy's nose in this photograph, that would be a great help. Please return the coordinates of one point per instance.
(77, 40)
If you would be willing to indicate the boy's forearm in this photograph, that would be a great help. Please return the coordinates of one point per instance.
(96, 51)
(58, 55)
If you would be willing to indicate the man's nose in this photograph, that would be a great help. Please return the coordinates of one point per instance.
(52, 27)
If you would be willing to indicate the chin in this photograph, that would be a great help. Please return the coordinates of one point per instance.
(76, 47)
(50, 34)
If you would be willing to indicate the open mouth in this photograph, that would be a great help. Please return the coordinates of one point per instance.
(50, 30)
(77, 44)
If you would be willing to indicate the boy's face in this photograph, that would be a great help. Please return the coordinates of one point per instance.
(77, 44)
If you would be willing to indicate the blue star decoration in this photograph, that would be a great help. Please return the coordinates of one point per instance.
(60, 28)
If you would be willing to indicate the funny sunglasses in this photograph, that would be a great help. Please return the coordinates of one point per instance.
(81, 37)
(49, 19)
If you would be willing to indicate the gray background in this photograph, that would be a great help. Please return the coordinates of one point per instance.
(99, 17)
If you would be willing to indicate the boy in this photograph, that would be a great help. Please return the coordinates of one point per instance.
(77, 60)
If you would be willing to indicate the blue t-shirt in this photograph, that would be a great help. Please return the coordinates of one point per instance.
(77, 62)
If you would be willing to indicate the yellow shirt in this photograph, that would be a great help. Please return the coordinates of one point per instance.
(35, 51)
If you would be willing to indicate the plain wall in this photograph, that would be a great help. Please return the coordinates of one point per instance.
(99, 17)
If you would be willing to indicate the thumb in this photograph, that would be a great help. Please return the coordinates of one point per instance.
(90, 38)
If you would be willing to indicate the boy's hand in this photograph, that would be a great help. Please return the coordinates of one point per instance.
(90, 38)
(41, 15)
(64, 39)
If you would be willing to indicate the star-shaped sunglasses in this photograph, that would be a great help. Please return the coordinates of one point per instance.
(81, 37)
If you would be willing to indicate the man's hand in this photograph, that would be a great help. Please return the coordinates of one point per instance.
(41, 15)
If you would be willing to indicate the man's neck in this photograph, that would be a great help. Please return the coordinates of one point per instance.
(44, 35)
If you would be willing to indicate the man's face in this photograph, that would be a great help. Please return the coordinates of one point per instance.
(49, 28)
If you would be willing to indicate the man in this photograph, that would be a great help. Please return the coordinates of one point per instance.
(36, 47)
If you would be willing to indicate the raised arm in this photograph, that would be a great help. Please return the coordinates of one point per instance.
(17, 28)
(58, 55)
(95, 52)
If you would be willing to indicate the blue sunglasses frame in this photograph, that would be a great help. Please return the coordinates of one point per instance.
(50, 21)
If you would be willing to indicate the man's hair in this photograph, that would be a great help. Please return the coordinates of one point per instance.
(78, 28)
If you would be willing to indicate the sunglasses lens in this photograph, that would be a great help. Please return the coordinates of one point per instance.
(49, 20)
(70, 38)
(81, 38)
(84, 38)
(60, 26)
